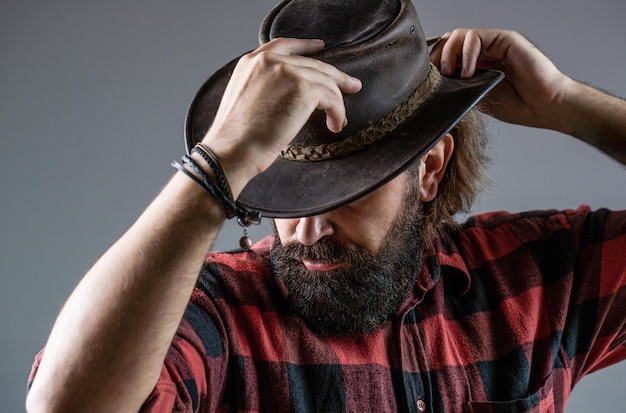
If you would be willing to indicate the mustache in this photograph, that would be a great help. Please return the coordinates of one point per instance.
(325, 250)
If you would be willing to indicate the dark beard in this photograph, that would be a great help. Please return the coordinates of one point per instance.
(358, 298)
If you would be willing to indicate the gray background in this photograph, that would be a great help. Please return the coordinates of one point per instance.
(93, 98)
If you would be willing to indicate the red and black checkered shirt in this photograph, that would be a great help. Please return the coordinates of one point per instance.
(509, 312)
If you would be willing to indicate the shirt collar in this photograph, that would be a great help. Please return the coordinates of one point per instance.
(442, 260)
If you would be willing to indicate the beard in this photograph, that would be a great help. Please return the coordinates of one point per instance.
(360, 297)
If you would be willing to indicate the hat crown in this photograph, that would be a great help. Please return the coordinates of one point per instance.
(337, 23)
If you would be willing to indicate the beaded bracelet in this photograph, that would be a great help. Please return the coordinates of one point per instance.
(222, 193)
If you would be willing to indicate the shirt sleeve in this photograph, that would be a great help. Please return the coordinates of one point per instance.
(194, 371)
(594, 334)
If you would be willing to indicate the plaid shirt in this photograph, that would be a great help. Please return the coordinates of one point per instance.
(507, 315)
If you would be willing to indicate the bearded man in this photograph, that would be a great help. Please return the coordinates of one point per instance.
(369, 297)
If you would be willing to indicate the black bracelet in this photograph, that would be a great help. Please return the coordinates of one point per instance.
(245, 218)
(205, 183)
(209, 156)
(215, 190)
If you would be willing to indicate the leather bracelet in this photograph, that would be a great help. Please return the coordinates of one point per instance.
(245, 218)
(207, 184)
(209, 156)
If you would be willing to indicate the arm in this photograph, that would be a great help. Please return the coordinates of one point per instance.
(108, 344)
(535, 93)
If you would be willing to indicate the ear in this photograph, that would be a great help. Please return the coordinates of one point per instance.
(433, 167)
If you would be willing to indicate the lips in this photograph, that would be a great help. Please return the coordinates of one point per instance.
(312, 265)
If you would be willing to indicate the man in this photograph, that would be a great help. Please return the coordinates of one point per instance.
(364, 302)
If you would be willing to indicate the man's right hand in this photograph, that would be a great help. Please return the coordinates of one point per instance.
(532, 84)
(534, 92)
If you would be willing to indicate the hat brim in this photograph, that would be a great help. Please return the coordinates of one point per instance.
(291, 189)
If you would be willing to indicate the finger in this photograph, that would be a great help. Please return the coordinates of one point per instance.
(470, 53)
(335, 110)
(295, 51)
(346, 83)
(328, 96)
(435, 52)
(291, 46)
(452, 51)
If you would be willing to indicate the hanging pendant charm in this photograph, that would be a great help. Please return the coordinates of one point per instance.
(245, 221)
(245, 242)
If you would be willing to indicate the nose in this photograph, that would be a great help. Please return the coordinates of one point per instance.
(311, 229)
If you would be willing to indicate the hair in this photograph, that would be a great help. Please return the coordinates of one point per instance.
(465, 176)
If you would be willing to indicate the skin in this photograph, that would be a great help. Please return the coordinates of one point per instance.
(133, 298)
(373, 212)
(534, 92)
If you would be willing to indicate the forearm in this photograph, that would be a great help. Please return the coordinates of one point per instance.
(108, 344)
(107, 347)
(596, 118)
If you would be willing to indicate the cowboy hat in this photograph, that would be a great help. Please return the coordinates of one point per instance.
(404, 107)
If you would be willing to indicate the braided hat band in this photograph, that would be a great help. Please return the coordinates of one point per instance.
(372, 133)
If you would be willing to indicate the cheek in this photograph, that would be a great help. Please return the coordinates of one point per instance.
(378, 225)
(374, 215)
(285, 228)
(365, 227)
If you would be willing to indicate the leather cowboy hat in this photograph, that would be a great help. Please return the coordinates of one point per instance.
(404, 107)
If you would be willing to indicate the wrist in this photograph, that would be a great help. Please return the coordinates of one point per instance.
(237, 171)
(598, 119)
(568, 114)
(215, 183)
(198, 201)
